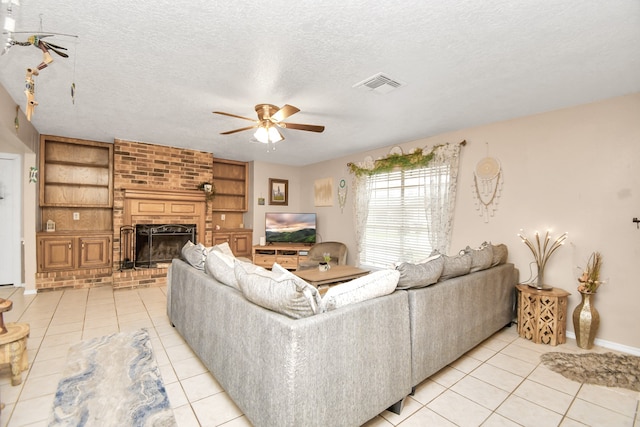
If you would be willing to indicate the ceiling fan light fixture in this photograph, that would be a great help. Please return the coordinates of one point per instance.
(274, 135)
(267, 134)
(262, 135)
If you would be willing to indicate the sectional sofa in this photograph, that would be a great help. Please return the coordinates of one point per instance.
(337, 360)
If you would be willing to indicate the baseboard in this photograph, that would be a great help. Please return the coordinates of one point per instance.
(610, 345)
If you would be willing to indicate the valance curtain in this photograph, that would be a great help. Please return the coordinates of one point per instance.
(438, 179)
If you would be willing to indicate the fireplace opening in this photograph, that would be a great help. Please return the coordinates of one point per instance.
(161, 243)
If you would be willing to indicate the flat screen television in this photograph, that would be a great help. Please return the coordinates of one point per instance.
(285, 227)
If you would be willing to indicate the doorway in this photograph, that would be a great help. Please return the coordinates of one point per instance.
(10, 220)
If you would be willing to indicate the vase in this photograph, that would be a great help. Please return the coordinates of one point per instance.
(540, 280)
(539, 283)
(586, 321)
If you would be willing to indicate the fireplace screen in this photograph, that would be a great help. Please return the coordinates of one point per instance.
(161, 243)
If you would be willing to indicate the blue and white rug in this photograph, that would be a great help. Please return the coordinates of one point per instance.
(112, 381)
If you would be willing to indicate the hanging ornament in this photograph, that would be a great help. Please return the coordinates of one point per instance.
(33, 174)
(487, 185)
(342, 194)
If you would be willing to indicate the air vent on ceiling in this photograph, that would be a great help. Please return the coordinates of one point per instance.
(380, 83)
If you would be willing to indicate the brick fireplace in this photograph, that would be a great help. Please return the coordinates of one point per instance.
(153, 184)
(157, 185)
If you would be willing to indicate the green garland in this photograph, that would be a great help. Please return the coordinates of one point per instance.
(413, 160)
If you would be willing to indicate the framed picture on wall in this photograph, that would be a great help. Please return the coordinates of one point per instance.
(278, 192)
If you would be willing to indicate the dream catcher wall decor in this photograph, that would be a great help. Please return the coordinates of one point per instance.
(487, 185)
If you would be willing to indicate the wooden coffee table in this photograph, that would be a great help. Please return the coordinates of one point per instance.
(336, 274)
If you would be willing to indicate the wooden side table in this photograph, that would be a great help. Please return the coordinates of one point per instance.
(13, 350)
(542, 314)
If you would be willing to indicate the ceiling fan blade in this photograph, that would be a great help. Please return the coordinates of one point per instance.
(286, 111)
(234, 115)
(298, 126)
(238, 130)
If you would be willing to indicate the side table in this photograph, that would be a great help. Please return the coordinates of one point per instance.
(13, 350)
(542, 314)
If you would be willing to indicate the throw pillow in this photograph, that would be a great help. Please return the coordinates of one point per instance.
(455, 266)
(500, 254)
(420, 275)
(481, 258)
(222, 247)
(194, 254)
(376, 284)
(278, 290)
(221, 267)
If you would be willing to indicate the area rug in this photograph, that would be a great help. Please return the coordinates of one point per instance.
(112, 381)
(608, 369)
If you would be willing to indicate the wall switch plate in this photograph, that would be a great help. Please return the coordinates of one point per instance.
(76, 216)
(222, 217)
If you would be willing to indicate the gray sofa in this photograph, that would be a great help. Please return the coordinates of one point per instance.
(337, 368)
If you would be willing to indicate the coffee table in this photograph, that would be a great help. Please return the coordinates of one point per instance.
(336, 274)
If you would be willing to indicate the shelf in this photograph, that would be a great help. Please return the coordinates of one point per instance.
(85, 181)
(72, 184)
(231, 182)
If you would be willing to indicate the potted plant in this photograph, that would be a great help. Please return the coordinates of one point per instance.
(209, 190)
(324, 265)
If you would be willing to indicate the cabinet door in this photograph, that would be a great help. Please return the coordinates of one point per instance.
(219, 238)
(95, 252)
(56, 253)
(241, 244)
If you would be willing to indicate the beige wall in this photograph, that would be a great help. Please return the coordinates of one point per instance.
(572, 170)
(25, 142)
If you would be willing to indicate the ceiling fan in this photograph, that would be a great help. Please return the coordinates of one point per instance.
(270, 118)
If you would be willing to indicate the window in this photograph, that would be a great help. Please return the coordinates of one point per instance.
(404, 204)
(397, 227)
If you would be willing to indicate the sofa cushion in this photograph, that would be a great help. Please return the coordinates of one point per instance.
(455, 266)
(194, 254)
(278, 290)
(420, 275)
(221, 267)
(222, 247)
(481, 258)
(371, 286)
(500, 254)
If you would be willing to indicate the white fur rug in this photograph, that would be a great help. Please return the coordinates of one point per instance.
(608, 369)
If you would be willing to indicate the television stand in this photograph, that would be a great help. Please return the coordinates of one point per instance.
(288, 256)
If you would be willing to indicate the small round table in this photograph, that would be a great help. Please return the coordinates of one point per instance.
(13, 350)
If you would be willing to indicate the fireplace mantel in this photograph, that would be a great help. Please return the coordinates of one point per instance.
(165, 207)
(158, 194)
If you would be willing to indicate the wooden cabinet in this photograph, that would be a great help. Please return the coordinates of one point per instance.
(288, 256)
(95, 251)
(55, 253)
(70, 252)
(239, 241)
(231, 179)
(75, 193)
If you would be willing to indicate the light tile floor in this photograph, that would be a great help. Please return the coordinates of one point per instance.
(499, 383)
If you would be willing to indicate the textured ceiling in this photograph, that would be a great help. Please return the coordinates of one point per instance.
(153, 71)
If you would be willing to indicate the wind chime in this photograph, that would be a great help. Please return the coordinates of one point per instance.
(487, 185)
(38, 41)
